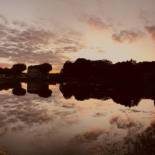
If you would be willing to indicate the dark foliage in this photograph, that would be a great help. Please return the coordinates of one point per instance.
(18, 68)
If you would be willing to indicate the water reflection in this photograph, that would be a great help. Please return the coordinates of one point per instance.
(128, 95)
(14, 85)
(76, 118)
(40, 88)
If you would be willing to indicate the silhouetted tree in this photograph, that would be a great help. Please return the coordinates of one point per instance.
(18, 68)
(40, 72)
(45, 67)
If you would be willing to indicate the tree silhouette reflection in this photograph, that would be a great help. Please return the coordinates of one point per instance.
(127, 95)
(15, 85)
(40, 88)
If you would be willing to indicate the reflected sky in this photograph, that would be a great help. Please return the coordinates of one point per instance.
(34, 125)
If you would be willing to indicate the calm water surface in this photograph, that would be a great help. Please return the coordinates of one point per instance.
(31, 125)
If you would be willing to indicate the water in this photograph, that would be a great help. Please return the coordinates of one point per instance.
(33, 125)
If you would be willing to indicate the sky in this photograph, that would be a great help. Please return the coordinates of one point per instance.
(54, 31)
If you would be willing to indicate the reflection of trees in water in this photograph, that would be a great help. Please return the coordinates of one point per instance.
(125, 95)
(128, 96)
(15, 85)
(40, 88)
(33, 87)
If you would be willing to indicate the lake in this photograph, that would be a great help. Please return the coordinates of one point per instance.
(33, 125)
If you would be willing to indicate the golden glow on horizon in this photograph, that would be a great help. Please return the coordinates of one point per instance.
(54, 71)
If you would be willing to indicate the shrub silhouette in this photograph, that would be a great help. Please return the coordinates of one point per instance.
(18, 68)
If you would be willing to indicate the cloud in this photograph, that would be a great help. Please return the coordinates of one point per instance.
(70, 41)
(26, 45)
(126, 36)
(36, 45)
(19, 23)
(95, 22)
(31, 44)
(18, 113)
(89, 136)
(21, 110)
(151, 31)
(124, 123)
(31, 36)
(143, 142)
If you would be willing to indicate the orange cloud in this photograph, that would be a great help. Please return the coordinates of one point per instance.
(95, 23)
(151, 31)
(128, 36)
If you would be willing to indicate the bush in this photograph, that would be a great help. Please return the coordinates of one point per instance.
(18, 68)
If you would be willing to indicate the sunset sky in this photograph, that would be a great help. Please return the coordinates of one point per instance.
(37, 31)
(84, 115)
